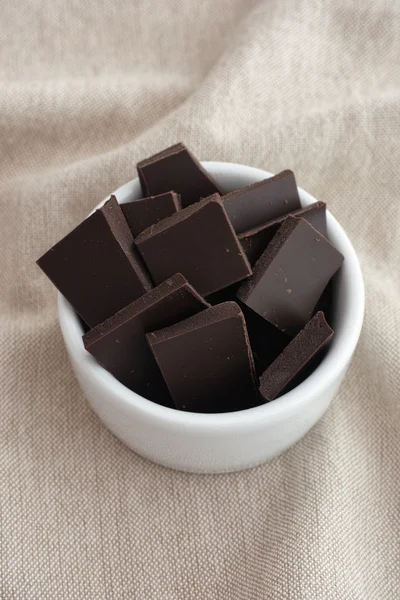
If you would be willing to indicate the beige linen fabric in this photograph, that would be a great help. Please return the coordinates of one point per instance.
(86, 90)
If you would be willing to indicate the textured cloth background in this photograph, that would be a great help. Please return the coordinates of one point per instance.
(87, 89)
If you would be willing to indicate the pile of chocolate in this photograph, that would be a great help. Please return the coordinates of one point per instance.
(196, 299)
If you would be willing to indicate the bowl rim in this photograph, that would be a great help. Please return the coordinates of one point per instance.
(326, 373)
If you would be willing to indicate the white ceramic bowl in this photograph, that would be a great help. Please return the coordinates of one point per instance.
(216, 443)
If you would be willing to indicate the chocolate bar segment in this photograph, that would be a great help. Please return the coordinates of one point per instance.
(291, 275)
(176, 168)
(119, 343)
(262, 201)
(198, 242)
(142, 213)
(295, 357)
(96, 267)
(206, 361)
(256, 240)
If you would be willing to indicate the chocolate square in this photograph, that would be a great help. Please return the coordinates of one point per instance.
(295, 357)
(262, 201)
(291, 275)
(176, 168)
(198, 242)
(119, 343)
(142, 213)
(96, 266)
(255, 241)
(206, 361)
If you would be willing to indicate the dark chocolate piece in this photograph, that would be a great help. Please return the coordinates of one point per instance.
(262, 201)
(96, 267)
(119, 343)
(198, 242)
(142, 213)
(176, 168)
(291, 275)
(295, 357)
(207, 362)
(256, 240)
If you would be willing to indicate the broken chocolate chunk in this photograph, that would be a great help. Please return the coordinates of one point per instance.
(198, 242)
(295, 357)
(142, 213)
(176, 168)
(206, 361)
(291, 275)
(256, 240)
(119, 343)
(259, 202)
(96, 266)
